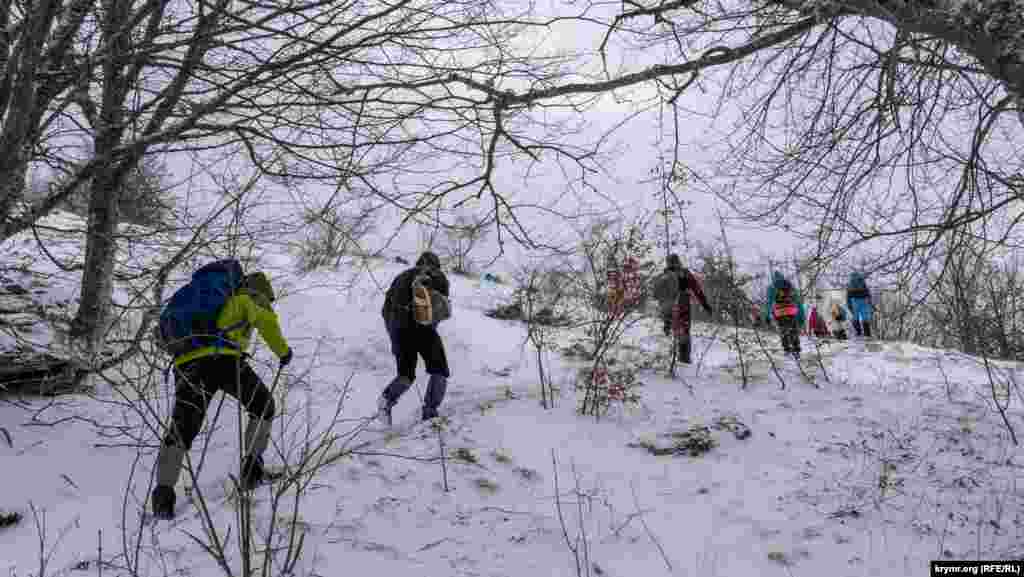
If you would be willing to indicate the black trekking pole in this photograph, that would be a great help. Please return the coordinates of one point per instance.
(277, 377)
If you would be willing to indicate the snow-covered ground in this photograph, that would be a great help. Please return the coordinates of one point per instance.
(898, 458)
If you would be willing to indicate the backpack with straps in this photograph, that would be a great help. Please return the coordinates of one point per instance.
(858, 287)
(840, 314)
(189, 319)
(785, 301)
(429, 306)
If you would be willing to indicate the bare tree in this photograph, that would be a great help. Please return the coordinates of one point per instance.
(145, 199)
(973, 301)
(607, 285)
(462, 237)
(334, 233)
(723, 284)
(541, 297)
(739, 306)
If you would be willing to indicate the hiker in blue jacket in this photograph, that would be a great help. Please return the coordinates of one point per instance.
(200, 372)
(858, 302)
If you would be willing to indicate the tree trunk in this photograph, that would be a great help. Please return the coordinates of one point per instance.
(29, 58)
(988, 30)
(93, 314)
(91, 321)
(12, 188)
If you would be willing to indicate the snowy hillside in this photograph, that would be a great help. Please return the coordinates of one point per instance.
(897, 458)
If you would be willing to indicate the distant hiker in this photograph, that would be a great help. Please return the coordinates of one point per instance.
(784, 305)
(672, 289)
(838, 321)
(487, 281)
(858, 300)
(816, 323)
(413, 332)
(210, 357)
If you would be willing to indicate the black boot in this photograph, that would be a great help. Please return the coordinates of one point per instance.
(867, 329)
(684, 351)
(396, 388)
(436, 387)
(856, 327)
(162, 502)
(168, 467)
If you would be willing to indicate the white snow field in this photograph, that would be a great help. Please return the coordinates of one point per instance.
(898, 458)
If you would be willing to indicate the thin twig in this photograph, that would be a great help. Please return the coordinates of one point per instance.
(995, 399)
(561, 518)
(647, 529)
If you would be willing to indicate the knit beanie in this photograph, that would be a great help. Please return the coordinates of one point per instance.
(258, 282)
(429, 259)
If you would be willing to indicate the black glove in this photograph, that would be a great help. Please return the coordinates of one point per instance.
(287, 358)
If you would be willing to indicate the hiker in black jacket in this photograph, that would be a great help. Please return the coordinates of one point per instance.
(675, 310)
(410, 339)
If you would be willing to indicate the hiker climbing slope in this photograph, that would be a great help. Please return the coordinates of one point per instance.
(672, 290)
(816, 324)
(838, 321)
(415, 303)
(208, 357)
(858, 300)
(785, 307)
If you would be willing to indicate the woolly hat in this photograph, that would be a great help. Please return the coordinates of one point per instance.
(258, 282)
(429, 259)
(777, 278)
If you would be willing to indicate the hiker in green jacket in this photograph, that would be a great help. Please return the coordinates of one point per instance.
(200, 373)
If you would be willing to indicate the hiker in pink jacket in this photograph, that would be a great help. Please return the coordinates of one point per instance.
(816, 324)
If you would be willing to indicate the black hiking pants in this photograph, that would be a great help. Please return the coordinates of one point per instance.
(197, 381)
(407, 344)
(413, 341)
(789, 331)
(681, 328)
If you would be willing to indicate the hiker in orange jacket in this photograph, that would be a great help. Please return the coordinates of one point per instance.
(786, 308)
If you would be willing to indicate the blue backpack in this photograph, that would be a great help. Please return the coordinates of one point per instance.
(857, 282)
(189, 320)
